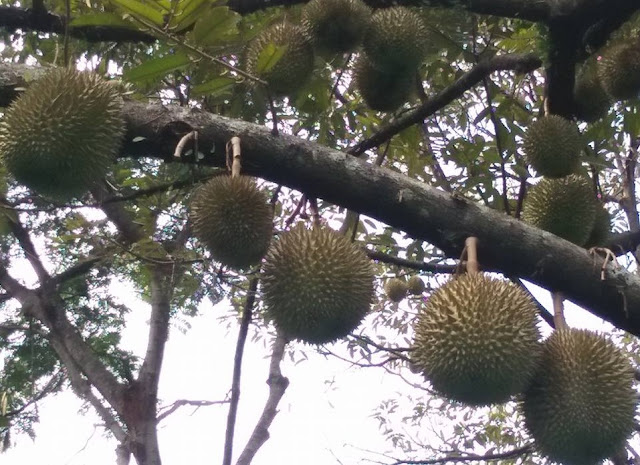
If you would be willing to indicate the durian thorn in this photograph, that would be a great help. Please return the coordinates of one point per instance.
(558, 310)
(234, 156)
(193, 135)
(471, 248)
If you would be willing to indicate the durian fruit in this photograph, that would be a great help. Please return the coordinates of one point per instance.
(601, 228)
(591, 101)
(415, 285)
(336, 26)
(476, 339)
(317, 285)
(619, 70)
(381, 90)
(580, 405)
(294, 67)
(395, 39)
(564, 206)
(63, 134)
(233, 219)
(552, 146)
(396, 289)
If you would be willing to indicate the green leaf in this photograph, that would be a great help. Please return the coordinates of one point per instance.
(99, 19)
(157, 68)
(217, 25)
(141, 10)
(215, 86)
(188, 12)
(269, 56)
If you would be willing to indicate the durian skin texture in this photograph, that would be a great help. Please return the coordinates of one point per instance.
(337, 26)
(317, 285)
(580, 407)
(552, 146)
(295, 66)
(591, 100)
(476, 340)
(565, 207)
(619, 70)
(381, 90)
(63, 134)
(395, 39)
(415, 285)
(233, 219)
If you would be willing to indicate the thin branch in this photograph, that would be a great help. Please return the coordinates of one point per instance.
(80, 268)
(517, 62)
(277, 386)
(456, 458)
(415, 265)
(186, 402)
(237, 370)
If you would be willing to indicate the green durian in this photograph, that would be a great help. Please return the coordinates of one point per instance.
(476, 339)
(63, 134)
(564, 206)
(233, 219)
(415, 285)
(317, 285)
(591, 101)
(380, 90)
(336, 26)
(396, 289)
(619, 70)
(580, 405)
(396, 39)
(294, 67)
(601, 228)
(552, 146)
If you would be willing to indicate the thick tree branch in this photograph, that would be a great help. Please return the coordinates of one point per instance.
(130, 231)
(12, 19)
(517, 62)
(421, 211)
(277, 386)
(24, 239)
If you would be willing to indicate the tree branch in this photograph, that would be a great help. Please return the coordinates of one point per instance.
(456, 458)
(517, 62)
(184, 402)
(415, 265)
(277, 386)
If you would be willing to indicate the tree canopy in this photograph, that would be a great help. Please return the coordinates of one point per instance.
(407, 187)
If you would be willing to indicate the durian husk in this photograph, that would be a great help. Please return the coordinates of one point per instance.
(317, 285)
(336, 26)
(396, 39)
(396, 289)
(601, 228)
(565, 207)
(591, 101)
(63, 134)
(382, 91)
(476, 339)
(552, 146)
(619, 70)
(415, 285)
(233, 219)
(580, 405)
(294, 67)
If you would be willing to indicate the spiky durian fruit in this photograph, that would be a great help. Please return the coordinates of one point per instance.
(580, 405)
(476, 339)
(601, 228)
(295, 65)
(415, 285)
(564, 206)
(619, 70)
(396, 289)
(591, 101)
(233, 219)
(337, 26)
(317, 285)
(552, 146)
(382, 91)
(62, 135)
(395, 39)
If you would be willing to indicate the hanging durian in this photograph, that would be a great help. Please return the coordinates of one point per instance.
(317, 285)
(233, 219)
(396, 289)
(63, 134)
(591, 101)
(381, 90)
(415, 285)
(619, 70)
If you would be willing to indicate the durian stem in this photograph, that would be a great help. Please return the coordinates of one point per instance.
(233, 146)
(471, 247)
(313, 208)
(558, 310)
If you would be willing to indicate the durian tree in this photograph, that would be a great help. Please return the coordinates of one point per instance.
(317, 169)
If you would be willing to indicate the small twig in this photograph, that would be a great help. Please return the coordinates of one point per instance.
(184, 402)
(558, 310)
(191, 136)
(415, 265)
(526, 449)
